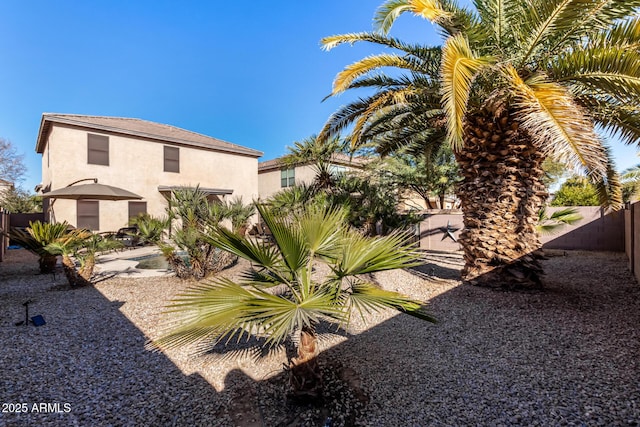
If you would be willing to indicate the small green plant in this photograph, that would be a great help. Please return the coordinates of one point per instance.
(36, 238)
(240, 214)
(193, 216)
(150, 229)
(81, 246)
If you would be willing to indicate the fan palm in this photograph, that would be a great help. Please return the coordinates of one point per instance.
(517, 81)
(282, 294)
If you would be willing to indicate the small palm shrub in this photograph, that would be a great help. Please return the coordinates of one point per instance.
(239, 214)
(36, 238)
(193, 216)
(150, 229)
(281, 295)
(81, 246)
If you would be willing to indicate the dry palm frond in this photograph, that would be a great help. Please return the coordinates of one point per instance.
(459, 67)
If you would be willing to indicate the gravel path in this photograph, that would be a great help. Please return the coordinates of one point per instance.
(567, 356)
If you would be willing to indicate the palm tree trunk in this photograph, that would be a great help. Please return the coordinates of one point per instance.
(501, 194)
(86, 271)
(304, 373)
(69, 267)
(47, 263)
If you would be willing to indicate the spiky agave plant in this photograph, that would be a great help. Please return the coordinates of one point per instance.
(281, 295)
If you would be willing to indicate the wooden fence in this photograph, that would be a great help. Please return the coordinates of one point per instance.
(4, 230)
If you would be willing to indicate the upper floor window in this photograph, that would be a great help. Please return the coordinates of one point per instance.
(98, 149)
(171, 159)
(287, 177)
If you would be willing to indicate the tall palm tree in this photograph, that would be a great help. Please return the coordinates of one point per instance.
(518, 81)
(282, 294)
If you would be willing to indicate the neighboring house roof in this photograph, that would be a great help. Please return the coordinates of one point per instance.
(5, 183)
(139, 128)
(336, 159)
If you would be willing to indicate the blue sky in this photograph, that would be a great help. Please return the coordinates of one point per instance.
(251, 73)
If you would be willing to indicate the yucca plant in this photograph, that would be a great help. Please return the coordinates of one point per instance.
(282, 295)
(514, 82)
(36, 238)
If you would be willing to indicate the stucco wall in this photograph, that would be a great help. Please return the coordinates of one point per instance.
(137, 165)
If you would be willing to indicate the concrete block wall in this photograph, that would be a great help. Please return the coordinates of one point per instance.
(597, 231)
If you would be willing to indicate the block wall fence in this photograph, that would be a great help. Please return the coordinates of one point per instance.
(598, 230)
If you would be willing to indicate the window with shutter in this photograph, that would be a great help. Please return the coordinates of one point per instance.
(98, 149)
(171, 159)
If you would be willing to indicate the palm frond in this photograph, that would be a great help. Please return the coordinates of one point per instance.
(557, 124)
(366, 297)
(608, 187)
(361, 255)
(459, 67)
(590, 15)
(289, 240)
(371, 63)
(617, 117)
(611, 70)
(257, 252)
(540, 22)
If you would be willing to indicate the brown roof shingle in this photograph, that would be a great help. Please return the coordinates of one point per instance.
(140, 128)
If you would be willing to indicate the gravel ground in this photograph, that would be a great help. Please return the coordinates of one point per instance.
(569, 355)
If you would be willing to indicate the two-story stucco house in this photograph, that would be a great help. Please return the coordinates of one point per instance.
(146, 158)
(274, 175)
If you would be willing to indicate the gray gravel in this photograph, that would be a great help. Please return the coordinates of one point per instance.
(567, 356)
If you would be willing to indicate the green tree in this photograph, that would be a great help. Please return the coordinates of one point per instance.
(576, 191)
(514, 82)
(281, 295)
(150, 229)
(631, 183)
(425, 174)
(17, 200)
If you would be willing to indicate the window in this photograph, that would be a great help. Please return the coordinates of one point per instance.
(171, 159)
(98, 149)
(287, 177)
(88, 214)
(137, 208)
